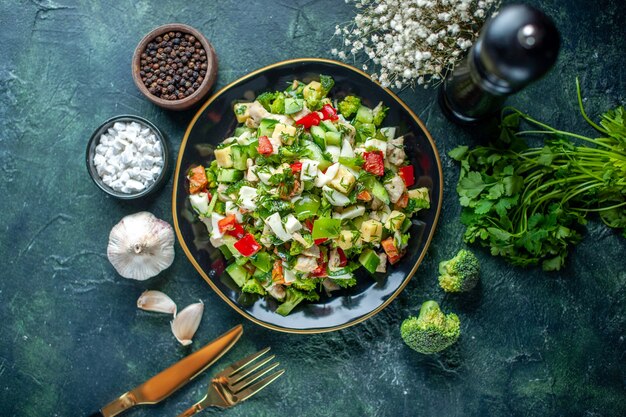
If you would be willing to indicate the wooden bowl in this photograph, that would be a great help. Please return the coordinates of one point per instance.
(209, 78)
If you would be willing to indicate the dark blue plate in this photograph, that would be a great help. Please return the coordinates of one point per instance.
(216, 121)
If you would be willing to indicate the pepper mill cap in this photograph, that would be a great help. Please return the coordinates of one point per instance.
(516, 47)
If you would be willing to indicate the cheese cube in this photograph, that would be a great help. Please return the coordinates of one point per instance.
(419, 193)
(312, 90)
(280, 129)
(395, 220)
(242, 112)
(346, 239)
(372, 231)
(224, 157)
(343, 181)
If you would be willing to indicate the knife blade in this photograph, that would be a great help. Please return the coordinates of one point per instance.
(166, 382)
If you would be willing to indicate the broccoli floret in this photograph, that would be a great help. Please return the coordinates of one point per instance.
(278, 105)
(349, 106)
(294, 297)
(379, 113)
(431, 332)
(266, 99)
(327, 83)
(460, 273)
(307, 284)
(253, 286)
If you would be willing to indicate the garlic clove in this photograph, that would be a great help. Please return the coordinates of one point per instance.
(141, 246)
(156, 301)
(186, 323)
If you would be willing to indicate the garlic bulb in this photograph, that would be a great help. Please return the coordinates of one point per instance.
(156, 301)
(141, 246)
(186, 323)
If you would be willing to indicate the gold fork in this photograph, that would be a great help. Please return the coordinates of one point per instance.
(237, 383)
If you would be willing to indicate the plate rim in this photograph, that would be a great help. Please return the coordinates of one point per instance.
(199, 269)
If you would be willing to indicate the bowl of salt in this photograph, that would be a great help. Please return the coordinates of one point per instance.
(128, 157)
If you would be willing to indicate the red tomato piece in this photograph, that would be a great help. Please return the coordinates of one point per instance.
(407, 174)
(374, 163)
(329, 112)
(390, 249)
(197, 179)
(296, 167)
(265, 146)
(364, 196)
(311, 119)
(343, 259)
(237, 231)
(320, 241)
(320, 271)
(227, 223)
(403, 201)
(247, 245)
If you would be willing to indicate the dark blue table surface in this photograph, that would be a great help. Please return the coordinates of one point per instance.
(71, 338)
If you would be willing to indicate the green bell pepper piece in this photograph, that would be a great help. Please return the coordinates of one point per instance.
(325, 227)
(307, 206)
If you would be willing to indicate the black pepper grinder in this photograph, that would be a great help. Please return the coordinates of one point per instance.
(515, 48)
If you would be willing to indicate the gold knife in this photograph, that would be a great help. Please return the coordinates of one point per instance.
(166, 382)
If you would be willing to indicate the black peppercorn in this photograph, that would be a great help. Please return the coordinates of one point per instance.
(173, 65)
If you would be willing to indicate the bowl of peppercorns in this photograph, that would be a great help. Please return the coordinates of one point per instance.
(174, 66)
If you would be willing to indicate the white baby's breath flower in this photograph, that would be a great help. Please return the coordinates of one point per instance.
(409, 43)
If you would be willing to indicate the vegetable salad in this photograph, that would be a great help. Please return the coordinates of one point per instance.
(306, 191)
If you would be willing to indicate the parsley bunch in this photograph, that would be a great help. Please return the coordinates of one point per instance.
(528, 204)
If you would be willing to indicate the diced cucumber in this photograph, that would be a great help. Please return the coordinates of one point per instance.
(226, 252)
(241, 130)
(293, 105)
(238, 273)
(406, 225)
(266, 127)
(328, 126)
(364, 131)
(377, 190)
(253, 149)
(240, 155)
(229, 175)
(229, 242)
(332, 138)
(358, 221)
(220, 207)
(370, 260)
(319, 136)
(315, 153)
(364, 115)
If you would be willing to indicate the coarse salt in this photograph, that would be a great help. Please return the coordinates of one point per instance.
(128, 157)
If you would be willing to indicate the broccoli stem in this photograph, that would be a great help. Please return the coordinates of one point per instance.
(427, 308)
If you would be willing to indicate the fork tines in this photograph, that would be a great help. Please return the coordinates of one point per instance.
(244, 376)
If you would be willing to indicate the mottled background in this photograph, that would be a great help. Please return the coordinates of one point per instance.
(71, 338)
